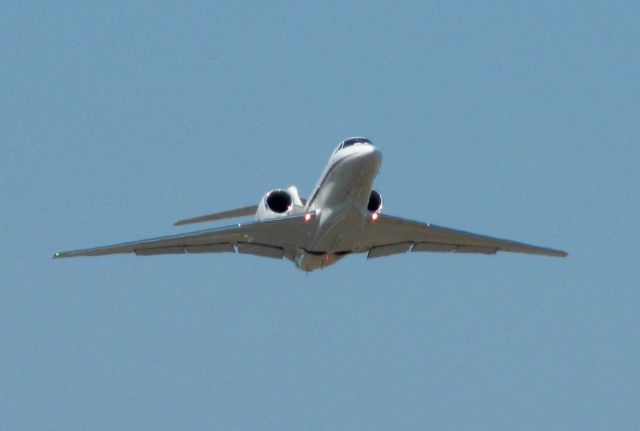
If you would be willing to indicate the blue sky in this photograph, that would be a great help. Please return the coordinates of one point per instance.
(519, 121)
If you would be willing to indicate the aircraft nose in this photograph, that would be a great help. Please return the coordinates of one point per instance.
(359, 154)
(369, 152)
(376, 154)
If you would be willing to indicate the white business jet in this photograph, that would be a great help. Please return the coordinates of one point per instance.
(342, 216)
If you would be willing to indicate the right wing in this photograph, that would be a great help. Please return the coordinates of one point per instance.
(392, 235)
(271, 238)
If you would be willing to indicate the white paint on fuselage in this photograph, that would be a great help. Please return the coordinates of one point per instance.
(340, 202)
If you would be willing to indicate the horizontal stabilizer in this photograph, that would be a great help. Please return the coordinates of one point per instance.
(240, 212)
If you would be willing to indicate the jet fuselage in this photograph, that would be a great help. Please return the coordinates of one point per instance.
(339, 202)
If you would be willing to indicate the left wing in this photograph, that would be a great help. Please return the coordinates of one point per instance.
(271, 238)
(391, 235)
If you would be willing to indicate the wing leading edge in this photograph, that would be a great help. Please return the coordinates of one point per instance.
(392, 235)
(273, 238)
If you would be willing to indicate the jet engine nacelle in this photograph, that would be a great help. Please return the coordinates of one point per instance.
(375, 202)
(280, 203)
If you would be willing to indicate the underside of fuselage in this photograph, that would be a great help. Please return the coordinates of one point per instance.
(340, 204)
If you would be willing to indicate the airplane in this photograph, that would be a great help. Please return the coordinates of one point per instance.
(343, 216)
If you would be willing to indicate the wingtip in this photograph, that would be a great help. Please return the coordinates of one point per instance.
(182, 222)
(559, 253)
(62, 254)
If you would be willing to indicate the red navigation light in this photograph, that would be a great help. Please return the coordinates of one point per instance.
(374, 216)
(308, 217)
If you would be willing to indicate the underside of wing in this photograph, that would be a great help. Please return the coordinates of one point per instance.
(392, 235)
(272, 238)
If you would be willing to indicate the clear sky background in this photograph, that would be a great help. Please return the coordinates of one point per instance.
(518, 121)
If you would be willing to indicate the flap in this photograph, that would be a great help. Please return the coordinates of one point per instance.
(386, 250)
(261, 250)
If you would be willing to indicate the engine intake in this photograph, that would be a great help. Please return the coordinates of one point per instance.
(375, 202)
(279, 201)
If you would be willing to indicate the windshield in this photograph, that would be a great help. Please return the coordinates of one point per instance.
(351, 141)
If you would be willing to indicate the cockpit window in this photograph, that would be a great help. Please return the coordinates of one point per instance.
(348, 142)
